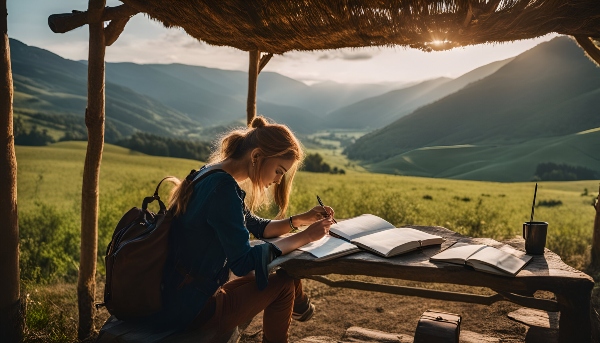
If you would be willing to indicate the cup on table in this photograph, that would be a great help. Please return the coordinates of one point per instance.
(534, 234)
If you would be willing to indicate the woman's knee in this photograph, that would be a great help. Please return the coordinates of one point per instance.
(283, 282)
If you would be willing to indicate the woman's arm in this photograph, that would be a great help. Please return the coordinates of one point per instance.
(314, 232)
(277, 228)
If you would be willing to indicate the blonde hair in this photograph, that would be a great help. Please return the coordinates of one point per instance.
(273, 141)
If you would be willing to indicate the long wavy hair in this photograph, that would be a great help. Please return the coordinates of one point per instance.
(272, 140)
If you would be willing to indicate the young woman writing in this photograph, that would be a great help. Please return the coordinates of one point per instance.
(210, 232)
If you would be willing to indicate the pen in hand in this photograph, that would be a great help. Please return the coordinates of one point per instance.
(321, 203)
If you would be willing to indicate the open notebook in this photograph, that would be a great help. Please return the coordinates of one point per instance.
(507, 262)
(369, 232)
(380, 237)
(324, 249)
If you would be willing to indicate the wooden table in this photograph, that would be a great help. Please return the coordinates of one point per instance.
(545, 272)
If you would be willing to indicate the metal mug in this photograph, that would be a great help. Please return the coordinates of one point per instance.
(534, 234)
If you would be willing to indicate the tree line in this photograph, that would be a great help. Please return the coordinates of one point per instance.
(154, 145)
(72, 126)
(314, 163)
(563, 172)
(74, 130)
(33, 136)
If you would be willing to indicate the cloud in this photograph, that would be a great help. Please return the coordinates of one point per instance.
(174, 46)
(346, 55)
(177, 38)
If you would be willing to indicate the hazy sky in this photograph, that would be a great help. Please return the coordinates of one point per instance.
(147, 41)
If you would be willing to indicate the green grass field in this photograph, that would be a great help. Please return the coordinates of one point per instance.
(49, 192)
(49, 195)
(506, 163)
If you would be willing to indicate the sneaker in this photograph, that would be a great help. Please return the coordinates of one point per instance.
(306, 314)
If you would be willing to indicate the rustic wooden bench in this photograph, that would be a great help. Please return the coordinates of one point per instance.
(572, 288)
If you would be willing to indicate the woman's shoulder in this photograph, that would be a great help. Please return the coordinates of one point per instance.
(217, 178)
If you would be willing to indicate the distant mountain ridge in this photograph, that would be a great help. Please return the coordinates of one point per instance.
(177, 99)
(552, 90)
(476, 126)
(382, 110)
(45, 82)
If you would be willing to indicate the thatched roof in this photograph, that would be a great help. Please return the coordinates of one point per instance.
(277, 26)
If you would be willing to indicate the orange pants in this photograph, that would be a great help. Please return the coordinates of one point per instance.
(239, 300)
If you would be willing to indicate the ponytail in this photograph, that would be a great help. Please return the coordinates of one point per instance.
(274, 141)
(180, 195)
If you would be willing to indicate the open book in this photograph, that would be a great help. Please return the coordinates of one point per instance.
(326, 248)
(507, 262)
(380, 237)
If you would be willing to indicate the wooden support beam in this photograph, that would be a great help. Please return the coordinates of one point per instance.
(591, 49)
(12, 317)
(140, 5)
(468, 16)
(65, 22)
(114, 30)
(94, 120)
(263, 61)
(254, 58)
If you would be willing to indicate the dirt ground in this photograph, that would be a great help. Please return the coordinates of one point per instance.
(338, 309)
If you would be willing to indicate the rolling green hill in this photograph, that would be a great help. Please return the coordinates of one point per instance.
(168, 100)
(203, 101)
(380, 110)
(548, 92)
(505, 163)
(45, 82)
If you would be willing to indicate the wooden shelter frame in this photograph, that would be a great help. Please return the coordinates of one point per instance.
(264, 28)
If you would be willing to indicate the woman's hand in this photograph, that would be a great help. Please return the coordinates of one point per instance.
(314, 232)
(313, 215)
(318, 229)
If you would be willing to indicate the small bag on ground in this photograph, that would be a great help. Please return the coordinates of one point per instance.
(438, 327)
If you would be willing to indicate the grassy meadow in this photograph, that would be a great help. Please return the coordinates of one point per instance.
(49, 195)
(49, 188)
(500, 162)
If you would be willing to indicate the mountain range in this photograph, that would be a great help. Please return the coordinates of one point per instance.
(533, 109)
(542, 104)
(379, 111)
(179, 100)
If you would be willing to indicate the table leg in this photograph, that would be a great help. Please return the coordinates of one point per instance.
(574, 324)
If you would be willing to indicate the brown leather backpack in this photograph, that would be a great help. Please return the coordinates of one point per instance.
(135, 259)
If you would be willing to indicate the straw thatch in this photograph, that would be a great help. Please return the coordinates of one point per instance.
(278, 26)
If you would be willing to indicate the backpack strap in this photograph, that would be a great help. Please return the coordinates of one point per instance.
(197, 176)
(194, 176)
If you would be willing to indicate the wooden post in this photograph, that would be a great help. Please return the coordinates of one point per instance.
(94, 120)
(263, 61)
(12, 317)
(252, 85)
(596, 233)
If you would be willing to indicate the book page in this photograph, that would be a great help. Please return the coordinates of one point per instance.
(359, 226)
(394, 241)
(498, 259)
(325, 248)
(458, 253)
(329, 246)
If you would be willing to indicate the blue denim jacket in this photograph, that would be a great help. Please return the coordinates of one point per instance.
(209, 239)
